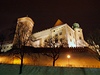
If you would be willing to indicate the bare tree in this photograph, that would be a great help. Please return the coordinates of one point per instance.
(21, 38)
(94, 36)
(55, 45)
(54, 54)
(94, 41)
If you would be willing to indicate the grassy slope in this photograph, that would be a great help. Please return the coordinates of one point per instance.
(45, 70)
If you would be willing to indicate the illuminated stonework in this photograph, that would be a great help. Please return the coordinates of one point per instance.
(62, 35)
(23, 31)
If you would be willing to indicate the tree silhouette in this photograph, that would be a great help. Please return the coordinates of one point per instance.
(94, 40)
(21, 38)
(54, 54)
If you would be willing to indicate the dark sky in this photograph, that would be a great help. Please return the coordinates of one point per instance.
(46, 12)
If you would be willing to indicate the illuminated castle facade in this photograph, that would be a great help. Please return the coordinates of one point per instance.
(61, 35)
(23, 31)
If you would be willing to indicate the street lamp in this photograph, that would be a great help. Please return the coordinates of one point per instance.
(68, 56)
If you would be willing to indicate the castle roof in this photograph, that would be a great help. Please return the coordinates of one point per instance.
(58, 22)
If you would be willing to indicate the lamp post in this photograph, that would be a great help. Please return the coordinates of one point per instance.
(68, 57)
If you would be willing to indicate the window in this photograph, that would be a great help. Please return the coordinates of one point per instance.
(7, 46)
(45, 40)
(56, 35)
(70, 34)
(78, 31)
(4, 48)
(53, 30)
(56, 40)
(80, 38)
(60, 33)
(11, 46)
(60, 39)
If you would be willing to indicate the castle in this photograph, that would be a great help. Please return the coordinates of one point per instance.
(61, 35)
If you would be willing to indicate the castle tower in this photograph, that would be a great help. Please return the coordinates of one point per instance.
(23, 31)
(78, 35)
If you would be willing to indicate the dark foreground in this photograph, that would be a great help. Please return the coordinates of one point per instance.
(46, 70)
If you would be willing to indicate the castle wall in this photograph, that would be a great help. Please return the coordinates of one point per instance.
(80, 42)
(62, 35)
(70, 35)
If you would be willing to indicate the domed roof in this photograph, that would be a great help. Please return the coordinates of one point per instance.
(76, 25)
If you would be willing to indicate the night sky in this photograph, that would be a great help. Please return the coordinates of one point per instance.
(46, 12)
